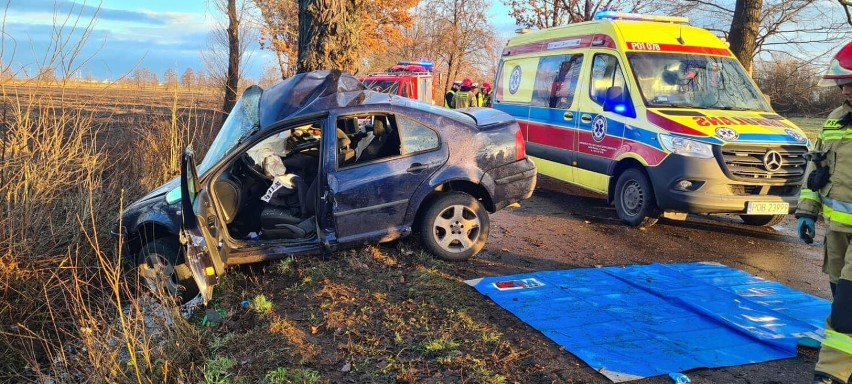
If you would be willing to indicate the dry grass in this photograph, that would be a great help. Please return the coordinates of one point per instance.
(67, 159)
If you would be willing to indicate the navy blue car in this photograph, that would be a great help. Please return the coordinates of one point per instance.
(361, 166)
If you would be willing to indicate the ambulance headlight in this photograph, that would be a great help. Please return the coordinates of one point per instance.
(687, 147)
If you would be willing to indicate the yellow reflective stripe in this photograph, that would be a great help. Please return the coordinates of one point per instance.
(838, 341)
(836, 135)
(836, 216)
(807, 194)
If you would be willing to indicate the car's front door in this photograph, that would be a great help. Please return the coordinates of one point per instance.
(201, 231)
(371, 194)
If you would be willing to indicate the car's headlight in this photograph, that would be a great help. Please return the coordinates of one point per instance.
(687, 147)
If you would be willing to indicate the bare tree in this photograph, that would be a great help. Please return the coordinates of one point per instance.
(847, 4)
(218, 56)
(543, 14)
(744, 29)
(232, 78)
(328, 35)
(806, 29)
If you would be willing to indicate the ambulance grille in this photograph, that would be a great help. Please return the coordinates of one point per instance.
(746, 163)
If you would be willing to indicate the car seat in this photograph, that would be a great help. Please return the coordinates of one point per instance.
(373, 150)
(345, 154)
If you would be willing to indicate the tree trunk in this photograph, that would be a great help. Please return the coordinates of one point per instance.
(233, 76)
(744, 29)
(328, 35)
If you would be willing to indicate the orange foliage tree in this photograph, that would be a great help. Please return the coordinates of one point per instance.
(380, 26)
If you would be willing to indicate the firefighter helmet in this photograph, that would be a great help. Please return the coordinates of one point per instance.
(840, 69)
(467, 83)
(487, 87)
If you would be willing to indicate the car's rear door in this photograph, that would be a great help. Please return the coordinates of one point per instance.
(201, 231)
(371, 195)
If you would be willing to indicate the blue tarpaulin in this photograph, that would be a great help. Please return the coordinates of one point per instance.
(634, 322)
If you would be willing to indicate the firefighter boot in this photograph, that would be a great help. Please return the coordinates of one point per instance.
(835, 355)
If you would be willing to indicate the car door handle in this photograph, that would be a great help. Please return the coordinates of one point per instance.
(417, 167)
(586, 118)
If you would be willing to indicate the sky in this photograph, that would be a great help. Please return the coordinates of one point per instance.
(131, 34)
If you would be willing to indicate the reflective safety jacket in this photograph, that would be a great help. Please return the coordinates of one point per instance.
(464, 99)
(835, 198)
(449, 99)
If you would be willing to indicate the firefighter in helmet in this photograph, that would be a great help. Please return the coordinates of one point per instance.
(464, 97)
(829, 190)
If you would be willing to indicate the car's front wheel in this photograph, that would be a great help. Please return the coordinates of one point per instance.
(455, 226)
(161, 267)
(634, 199)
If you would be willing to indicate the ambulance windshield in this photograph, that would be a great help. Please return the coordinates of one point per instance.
(695, 81)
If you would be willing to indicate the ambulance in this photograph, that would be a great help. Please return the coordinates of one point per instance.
(655, 114)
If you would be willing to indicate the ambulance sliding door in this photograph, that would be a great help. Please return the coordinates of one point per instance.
(554, 113)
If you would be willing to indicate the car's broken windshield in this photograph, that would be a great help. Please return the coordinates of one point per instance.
(241, 123)
(694, 81)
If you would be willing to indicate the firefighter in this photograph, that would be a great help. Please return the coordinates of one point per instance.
(486, 95)
(827, 192)
(477, 95)
(464, 98)
(450, 96)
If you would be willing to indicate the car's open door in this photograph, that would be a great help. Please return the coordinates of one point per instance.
(201, 230)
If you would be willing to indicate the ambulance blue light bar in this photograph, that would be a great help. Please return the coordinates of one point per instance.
(613, 15)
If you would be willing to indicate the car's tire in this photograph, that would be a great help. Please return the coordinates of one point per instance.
(763, 220)
(454, 227)
(161, 268)
(634, 199)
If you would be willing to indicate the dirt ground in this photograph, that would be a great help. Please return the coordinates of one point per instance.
(564, 227)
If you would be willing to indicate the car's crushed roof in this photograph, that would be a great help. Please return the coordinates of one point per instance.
(295, 93)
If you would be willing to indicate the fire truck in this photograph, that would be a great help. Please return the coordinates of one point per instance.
(410, 79)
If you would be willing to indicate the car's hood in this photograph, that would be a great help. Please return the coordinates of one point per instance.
(725, 126)
(157, 193)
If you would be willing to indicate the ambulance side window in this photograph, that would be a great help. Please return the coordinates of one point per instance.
(606, 73)
(556, 81)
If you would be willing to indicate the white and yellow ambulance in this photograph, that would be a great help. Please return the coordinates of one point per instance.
(656, 114)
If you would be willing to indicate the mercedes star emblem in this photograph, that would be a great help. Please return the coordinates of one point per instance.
(773, 161)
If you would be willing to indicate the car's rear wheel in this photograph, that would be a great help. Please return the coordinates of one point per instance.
(634, 199)
(763, 220)
(455, 226)
(161, 267)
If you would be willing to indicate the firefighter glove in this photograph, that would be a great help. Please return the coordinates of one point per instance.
(807, 229)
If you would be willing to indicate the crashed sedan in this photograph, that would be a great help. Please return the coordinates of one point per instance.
(319, 162)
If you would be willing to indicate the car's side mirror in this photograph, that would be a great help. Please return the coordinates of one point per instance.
(618, 100)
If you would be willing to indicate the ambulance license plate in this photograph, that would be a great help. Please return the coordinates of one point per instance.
(767, 208)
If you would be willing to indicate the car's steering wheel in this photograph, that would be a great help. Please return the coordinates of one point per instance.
(255, 169)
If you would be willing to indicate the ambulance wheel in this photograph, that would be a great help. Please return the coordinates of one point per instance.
(454, 227)
(763, 220)
(161, 267)
(634, 199)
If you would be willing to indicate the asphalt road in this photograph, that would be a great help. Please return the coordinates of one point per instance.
(564, 227)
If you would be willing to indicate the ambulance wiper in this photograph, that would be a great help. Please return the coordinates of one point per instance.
(733, 109)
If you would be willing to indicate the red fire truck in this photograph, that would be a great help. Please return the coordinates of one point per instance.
(409, 79)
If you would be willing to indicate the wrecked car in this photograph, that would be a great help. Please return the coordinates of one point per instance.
(319, 162)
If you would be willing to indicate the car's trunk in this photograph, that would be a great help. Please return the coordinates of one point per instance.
(488, 118)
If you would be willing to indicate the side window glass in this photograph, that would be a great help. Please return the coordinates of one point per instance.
(606, 73)
(416, 137)
(556, 81)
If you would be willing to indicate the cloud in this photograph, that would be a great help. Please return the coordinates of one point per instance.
(64, 7)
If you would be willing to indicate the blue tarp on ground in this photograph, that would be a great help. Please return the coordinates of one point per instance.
(641, 321)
